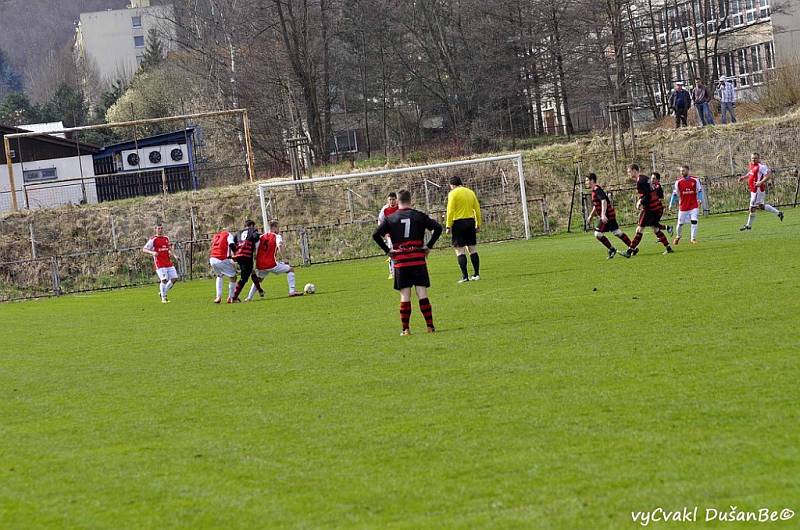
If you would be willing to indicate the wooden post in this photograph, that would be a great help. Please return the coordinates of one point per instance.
(11, 184)
(164, 180)
(248, 145)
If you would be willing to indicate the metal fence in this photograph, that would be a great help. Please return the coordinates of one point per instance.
(85, 248)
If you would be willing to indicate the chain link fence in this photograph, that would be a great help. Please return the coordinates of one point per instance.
(87, 248)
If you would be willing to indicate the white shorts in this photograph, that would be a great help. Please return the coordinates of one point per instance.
(756, 198)
(687, 216)
(280, 268)
(167, 273)
(223, 267)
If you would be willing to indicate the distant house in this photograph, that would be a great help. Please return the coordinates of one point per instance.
(146, 166)
(61, 165)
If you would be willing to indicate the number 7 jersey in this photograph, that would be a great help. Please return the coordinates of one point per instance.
(406, 228)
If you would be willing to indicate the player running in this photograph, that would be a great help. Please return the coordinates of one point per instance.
(651, 211)
(223, 247)
(407, 230)
(757, 178)
(464, 221)
(655, 183)
(604, 209)
(269, 249)
(389, 208)
(160, 248)
(688, 191)
(245, 249)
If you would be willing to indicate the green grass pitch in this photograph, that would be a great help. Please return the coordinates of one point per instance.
(540, 403)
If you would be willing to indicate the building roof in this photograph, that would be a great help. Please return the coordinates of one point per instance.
(64, 142)
(159, 139)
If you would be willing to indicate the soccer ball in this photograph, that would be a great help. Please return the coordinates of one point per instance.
(310, 288)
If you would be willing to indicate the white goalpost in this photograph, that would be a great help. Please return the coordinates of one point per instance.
(331, 218)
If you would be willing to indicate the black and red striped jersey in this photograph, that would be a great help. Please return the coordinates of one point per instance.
(598, 196)
(406, 228)
(649, 195)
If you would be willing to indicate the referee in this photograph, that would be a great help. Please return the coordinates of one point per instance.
(464, 223)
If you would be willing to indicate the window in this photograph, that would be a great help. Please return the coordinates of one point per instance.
(763, 9)
(345, 142)
(741, 56)
(136, 22)
(736, 16)
(39, 175)
(750, 10)
(138, 41)
(769, 55)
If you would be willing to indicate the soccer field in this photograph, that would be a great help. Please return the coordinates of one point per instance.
(561, 391)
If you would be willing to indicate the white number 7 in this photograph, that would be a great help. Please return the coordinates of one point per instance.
(407, 223)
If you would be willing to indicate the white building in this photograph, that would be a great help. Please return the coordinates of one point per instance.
(113, 41)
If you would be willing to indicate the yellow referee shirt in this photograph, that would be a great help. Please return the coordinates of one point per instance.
(462, 203)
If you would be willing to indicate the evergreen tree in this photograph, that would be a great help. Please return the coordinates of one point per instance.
(154, 53)
(17, 109)
(67, 105)
(10, 80)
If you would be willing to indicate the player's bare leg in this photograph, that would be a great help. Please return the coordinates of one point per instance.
(461, 257)
(405, 310)
(425, 307)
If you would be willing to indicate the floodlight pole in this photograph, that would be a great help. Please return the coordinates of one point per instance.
(11, 184)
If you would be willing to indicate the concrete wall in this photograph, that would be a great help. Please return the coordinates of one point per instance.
(106, 38)
(53, 192)
(787, 33)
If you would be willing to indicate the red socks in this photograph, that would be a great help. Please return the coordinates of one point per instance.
(604, 240)
(427, 311)
(405, 313)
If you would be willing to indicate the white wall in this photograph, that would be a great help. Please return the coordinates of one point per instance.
(50, 193)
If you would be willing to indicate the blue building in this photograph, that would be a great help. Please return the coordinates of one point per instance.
(147, 166)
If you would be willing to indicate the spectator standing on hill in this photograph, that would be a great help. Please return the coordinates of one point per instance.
(726, 93)
(702, 102)
(679, 102)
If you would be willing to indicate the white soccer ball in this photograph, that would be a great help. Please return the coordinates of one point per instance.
(310, 288)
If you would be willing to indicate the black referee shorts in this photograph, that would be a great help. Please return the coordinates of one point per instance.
(463, 232)
(416, 275)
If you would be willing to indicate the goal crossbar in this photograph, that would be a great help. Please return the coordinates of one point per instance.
(516, 158)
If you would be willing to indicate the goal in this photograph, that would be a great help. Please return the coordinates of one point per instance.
(332, 218)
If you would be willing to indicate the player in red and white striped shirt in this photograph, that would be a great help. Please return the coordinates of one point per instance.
(160, 248)
(688, 190)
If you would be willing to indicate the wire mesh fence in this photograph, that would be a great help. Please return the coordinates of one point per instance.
(80, 248)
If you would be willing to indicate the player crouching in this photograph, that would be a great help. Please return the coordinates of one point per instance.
(160, 248)
(407, 227)
(268, 250)
(603, 208)
(223, 247)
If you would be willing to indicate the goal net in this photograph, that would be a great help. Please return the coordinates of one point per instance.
(332, 218)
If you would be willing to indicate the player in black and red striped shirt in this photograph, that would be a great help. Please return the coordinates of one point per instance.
(651, 211)
(406, 228)
(604, 209)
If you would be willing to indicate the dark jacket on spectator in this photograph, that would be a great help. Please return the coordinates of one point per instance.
(680, 99)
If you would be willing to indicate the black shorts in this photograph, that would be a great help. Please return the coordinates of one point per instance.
(650, 217)
(416, 275)
(463, 232)
(610, 226)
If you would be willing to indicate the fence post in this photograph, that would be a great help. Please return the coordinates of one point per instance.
(730, 158)
(164, 180)
(706, 199)
(572, 201)
(797, 187)
(304, 252)
(33, 240)
(193, 223)
(55, 276)
(113, 232)
(545, 220)
(350, 203)
(427, 196)
(653, 160)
